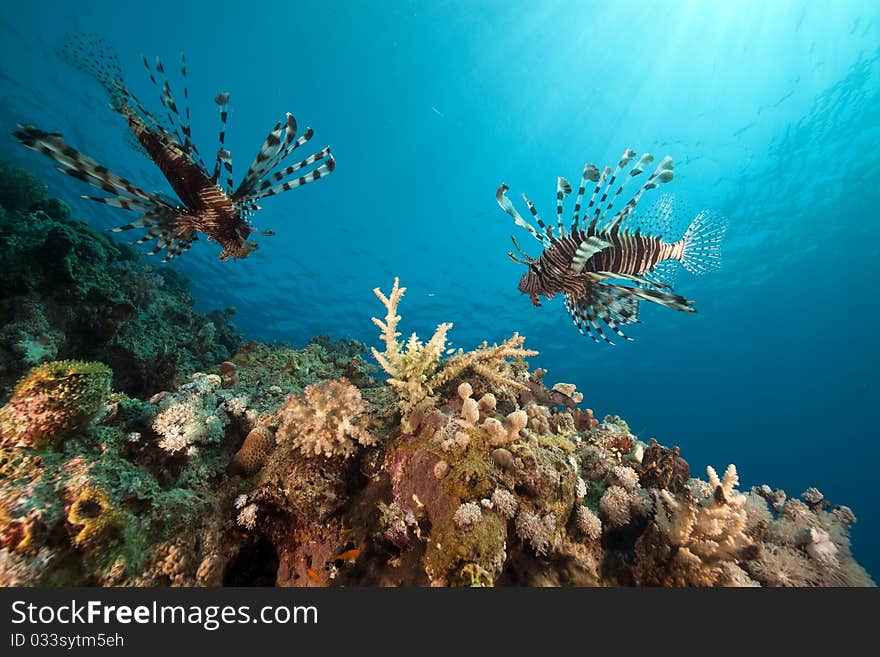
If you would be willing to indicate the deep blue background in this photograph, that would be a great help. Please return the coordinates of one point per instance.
(771, 111)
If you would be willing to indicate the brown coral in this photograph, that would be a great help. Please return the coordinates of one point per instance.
(254, 451)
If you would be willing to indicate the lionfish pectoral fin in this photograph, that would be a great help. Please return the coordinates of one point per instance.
(586, 250)
(668, 299)
(172, 231)
(641, 280)
(84, 168)
(585, 313)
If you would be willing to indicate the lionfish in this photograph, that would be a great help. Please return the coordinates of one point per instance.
(604, 266)
(204, 206)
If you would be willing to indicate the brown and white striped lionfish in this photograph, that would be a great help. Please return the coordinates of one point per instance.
(204, 206)
(605, 266)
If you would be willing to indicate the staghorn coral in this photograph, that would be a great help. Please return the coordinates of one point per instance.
(415, 369)
(53, 401)
(326, 419)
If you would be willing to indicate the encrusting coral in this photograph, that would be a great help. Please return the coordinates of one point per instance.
(53, 401)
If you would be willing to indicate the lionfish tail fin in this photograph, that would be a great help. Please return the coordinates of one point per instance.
(702, 243)
(94, 56)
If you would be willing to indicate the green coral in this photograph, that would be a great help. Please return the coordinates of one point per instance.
(19, 189)
(53, 401)
(72, 292)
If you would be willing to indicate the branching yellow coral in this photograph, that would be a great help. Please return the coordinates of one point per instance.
(325, 420)
(416, 370)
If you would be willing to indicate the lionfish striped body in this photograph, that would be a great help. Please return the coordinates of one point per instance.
(205, 207)
(605, 265)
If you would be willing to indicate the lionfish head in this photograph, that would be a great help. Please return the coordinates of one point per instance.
(530, 283)
(239, 246)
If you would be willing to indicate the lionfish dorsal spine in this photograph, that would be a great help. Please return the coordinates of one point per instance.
(222, 101)
(662, 174)
(175, 121)
(563, 189)
(534, 212)
(599, 184)
(505, 204)
(590, 174)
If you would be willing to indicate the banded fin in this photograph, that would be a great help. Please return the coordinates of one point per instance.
(614, 305)
(702, 243)
(222, 101)
(259, 181)
(166, 98)
(544, 229)
(605, 306)
(662, 174)
(628, 154)
(587, 249)
(640, 280)
(664, 273)
(563, 189)
(324, 170)
(668, 299)
(505, 204)
(590, 174)
(169, 228)
(84, 168)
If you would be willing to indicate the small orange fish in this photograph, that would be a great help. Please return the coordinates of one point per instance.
(316, 578)
(348, 555)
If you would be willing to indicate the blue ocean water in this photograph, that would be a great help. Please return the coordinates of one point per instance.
(770, 110)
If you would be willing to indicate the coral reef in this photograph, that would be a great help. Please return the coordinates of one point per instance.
(183, 458)
(53, 401)
(70, 292)
(167, 491)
